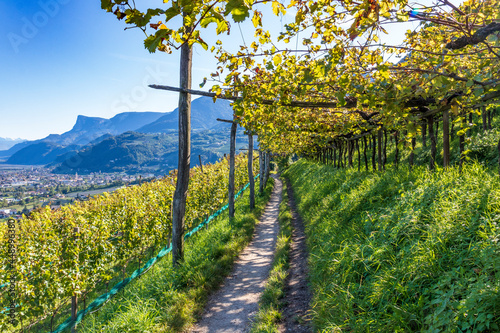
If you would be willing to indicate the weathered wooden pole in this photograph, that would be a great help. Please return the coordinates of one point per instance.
(349, 151)
(396, 153)
(446, 138)
(232, 155)
(379, 149)
(385, 150)
(251, 181)
(261, 171)
(374, 149)
(364, 152)
(430, 123)
(181, 188)
(461, 143)
(484, 118)
(359, 155)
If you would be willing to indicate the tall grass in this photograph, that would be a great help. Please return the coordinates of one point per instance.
(402, 251)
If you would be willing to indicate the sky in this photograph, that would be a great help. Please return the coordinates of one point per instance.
(64, 58)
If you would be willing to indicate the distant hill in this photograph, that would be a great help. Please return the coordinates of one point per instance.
(83, 140)
(139, 152)
(6, 143)
(204, 114)
(85, 130)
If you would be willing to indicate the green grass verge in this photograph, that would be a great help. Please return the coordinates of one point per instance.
(269, 315)
(402, 251)
(168, 300)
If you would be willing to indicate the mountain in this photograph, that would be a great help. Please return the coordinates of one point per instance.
(89, 131)
(6, 143)
(134, 152)
(86, 130)
(40, 153)
(204, 114)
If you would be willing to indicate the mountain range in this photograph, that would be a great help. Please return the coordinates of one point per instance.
(6, 143)
(129, 141)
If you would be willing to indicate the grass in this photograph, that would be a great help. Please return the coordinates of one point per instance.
(402, 251)
(270, 304)
(168, 300)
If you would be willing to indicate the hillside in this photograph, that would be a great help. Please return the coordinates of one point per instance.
(402, 251)
(138, 152)
(59, 147)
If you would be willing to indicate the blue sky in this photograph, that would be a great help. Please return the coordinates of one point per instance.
(63, 58)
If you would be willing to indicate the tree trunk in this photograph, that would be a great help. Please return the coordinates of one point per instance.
(374, 148)
(430, 122)
(341, 154)
(379, 149)
(364, 152)
(181, 188)
(335, 155)
(446, 138)
(251, 181)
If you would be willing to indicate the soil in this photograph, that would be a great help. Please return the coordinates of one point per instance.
(296, 315)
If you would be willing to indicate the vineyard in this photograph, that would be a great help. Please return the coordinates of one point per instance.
(68, 252)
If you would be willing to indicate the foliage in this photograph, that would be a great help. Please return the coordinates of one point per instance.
(344, 82)
(168, 300)
(402, 251)
(53, 262)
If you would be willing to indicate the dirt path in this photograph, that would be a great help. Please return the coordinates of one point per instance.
(232, 308)
(297, 293)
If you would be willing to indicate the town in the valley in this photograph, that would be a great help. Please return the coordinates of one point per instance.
(23, 189)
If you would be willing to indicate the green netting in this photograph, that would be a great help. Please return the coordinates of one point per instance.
(68, 323)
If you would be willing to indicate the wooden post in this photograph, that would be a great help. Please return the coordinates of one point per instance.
(232, 153)
(385, 150)
(74, 298)
(364, 152)
(446, 138)
(349, 152)
(261, 170)
(359, 155)
(461, 143)
(484, 117)
(250, 171)
(379, 149)
(396, 153)
(471, 120)
(430, 123)
(490, 116)
(374, 148)
(181, 188)
(268, 166)
(201, 164)
(498, 148)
